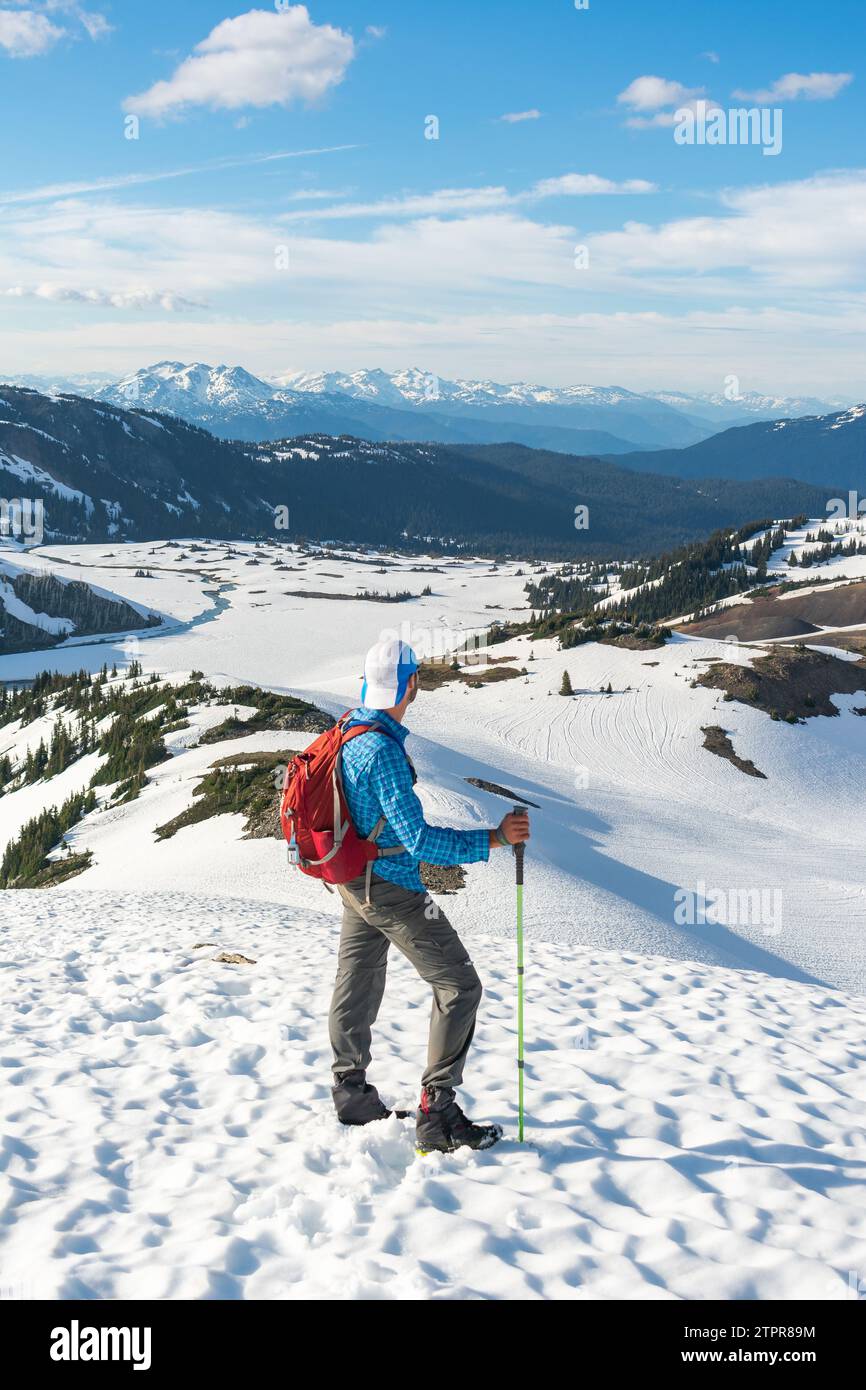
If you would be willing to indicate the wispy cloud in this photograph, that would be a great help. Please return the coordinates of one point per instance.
(583, 185)
(258, 59)
(306, 194)
(646, 349)
(26, 31)
(96, 24)
(195, 254)
(794, 86)
(803, 235)
(789, 256)
(112, 299)
(515, 117)
(443, 202)
(52, 191)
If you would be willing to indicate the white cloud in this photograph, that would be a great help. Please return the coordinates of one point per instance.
(26, 34)
(187, 252)
(801, 238)
(304, 195)
(200, 254)
(813, 86)
(651, 93)
(515, 117)
(581, 185)
(665, 119)
(793, 236)
(659, 96)
(113, 299)
(488, 252)
(29, 32)
(454, 288)
(710, 56)
(97, 25)
(261, 58)
(443, 202)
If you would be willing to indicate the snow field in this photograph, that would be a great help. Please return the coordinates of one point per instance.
(694, 1132)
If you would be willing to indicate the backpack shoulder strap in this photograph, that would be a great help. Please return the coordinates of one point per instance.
(357, 729)
(371, 728)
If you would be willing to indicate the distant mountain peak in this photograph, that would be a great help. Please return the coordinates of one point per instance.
(416, 403)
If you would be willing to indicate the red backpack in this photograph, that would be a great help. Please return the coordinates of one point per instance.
(314, 814)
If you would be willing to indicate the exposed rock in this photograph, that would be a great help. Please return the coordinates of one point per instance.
(718, 741)
(789, 682)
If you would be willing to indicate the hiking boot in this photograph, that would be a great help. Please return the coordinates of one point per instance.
(355, 1101)
(441, 1126)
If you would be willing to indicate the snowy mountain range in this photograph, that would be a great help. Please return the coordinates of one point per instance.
(424, 389)
(103, 471)
(413, 404)
(741, 408)
(408, 405)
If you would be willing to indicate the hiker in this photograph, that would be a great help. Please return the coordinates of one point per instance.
(389, 904)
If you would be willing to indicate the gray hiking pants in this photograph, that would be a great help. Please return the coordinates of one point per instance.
(419, 929)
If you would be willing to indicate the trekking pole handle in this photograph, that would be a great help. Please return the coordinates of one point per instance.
(518, 849)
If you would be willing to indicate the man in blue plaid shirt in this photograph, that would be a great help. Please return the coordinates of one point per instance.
(389, 905)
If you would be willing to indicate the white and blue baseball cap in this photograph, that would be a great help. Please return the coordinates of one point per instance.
(386, 673)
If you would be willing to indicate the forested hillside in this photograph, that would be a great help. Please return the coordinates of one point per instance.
(107, 473)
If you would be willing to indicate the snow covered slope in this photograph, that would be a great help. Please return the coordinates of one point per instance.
(850, 528)
(826, 450)
(695, 1083)
(59, 608)
(633, 809)
(694, 1132)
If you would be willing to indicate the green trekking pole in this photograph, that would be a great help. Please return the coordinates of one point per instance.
(518, 864)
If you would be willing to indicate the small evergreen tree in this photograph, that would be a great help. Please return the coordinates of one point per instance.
(566, 688)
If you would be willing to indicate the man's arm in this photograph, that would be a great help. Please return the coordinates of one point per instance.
(434, 844)
(391, 781)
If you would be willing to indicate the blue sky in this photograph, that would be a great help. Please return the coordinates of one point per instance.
(282, 207)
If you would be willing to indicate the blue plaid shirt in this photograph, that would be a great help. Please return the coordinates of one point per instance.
(378, 782)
